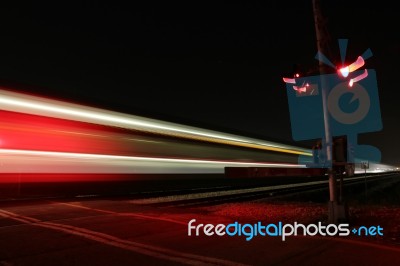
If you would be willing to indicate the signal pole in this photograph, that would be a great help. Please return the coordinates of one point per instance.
(322, 45)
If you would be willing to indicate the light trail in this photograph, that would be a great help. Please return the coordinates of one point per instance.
(344, 71)
(358, 78)
(133, 158)
(29, 161)
(17, 102)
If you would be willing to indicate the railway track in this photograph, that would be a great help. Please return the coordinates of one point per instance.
(227, 194)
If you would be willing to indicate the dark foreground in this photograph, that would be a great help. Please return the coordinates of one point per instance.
(123, 232)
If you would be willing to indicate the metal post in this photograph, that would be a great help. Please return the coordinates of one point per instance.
(321, 44)
(365, 183)
(341, 189)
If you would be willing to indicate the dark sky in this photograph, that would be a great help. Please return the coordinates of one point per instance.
(212, 65)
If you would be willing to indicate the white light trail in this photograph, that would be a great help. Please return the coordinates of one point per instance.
(29, 161)
(18, 102)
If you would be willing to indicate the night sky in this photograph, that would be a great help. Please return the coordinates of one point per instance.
(213, 65)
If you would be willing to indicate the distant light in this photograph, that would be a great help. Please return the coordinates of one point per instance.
(358, 78)
(297, 75)
(289, 80)
(300, 89)
(344, 71)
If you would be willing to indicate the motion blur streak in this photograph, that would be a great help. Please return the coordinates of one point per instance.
(27, 161)
(17, 102)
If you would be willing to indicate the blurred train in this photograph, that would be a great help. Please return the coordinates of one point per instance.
(39, 135)
(42, 136)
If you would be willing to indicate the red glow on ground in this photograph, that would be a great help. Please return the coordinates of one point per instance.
(271, 212)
